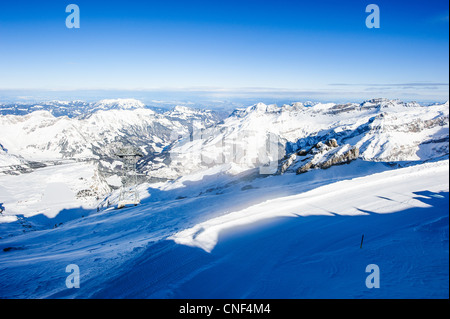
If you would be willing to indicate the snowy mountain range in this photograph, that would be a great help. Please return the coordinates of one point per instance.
(380, 130)
(69, 108)
(77, 130)
(260, 139)
(184, 140)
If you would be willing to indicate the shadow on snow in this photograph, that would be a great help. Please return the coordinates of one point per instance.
(304, 257)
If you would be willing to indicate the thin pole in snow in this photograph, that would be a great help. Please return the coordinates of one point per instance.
(362, 238)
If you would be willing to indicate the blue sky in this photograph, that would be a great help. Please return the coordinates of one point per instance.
(317, 49)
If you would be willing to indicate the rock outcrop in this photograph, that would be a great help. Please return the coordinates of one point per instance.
(322, 155)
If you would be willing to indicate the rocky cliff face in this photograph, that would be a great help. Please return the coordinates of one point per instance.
(323, 155)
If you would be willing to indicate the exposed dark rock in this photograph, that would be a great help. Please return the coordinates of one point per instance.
(247, 187)
(333, 159)
(305, 168)
(332, 143)
(347, 157)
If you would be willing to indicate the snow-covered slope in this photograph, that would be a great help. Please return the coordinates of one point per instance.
(284, 236)
(51, 195)
(355, 197)
(8, 160)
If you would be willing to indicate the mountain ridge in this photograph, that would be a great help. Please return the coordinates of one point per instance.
(184, 140)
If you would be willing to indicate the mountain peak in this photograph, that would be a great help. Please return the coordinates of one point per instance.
(182, 109)
(262, 108)
(120, 104)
